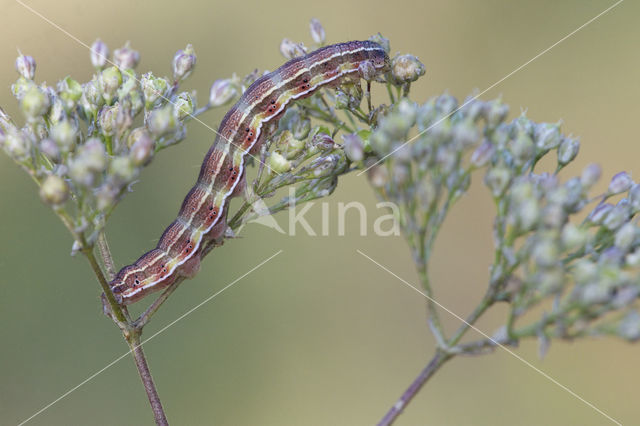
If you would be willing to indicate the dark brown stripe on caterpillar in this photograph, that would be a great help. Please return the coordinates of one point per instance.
(203, 212)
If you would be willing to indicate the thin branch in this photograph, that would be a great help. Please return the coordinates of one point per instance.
(434, 365)
(147, 380)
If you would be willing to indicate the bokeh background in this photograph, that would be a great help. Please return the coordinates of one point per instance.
(319, 335)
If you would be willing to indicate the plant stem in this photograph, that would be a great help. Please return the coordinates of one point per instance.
(115, 308)
(105, 254)
(436, 362)
(147, 380)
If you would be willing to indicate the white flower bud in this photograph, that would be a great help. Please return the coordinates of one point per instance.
(126, 58)
(142, 149)
(634, 198)
(65, 136)
(34, 103)
(568, 150)
(353, 147)
(317, 31)
(290, 50)
(626, 236)
(54, 190)
(183, 63)
(621, 182)
(99, 54)
(378, 176)
(483, 153)
(93, 155)
(161, 121)
(590, 175)
(122, 169)
(497, 179)
(573, 237)
(49, 148)
(406, 68)
(547, 136)
(222, 91)
(26, 66)
(17, 145)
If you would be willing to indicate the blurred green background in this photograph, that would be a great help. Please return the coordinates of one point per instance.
(319, 335)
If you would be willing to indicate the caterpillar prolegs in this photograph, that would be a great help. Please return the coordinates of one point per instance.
(203, 213)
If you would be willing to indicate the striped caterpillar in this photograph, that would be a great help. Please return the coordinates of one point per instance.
(203, 214)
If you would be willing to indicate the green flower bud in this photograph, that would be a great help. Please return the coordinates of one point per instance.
(574, 237)
(497, 112)
(93, 154)
(547, 136)
(91, 99)
(222, 91)
(122, 169)
(17, 145)
(107, 120)
(183, 106)
(545, 252)
(129, 93)
(21, 87)
(626, 236)
(353, 147)
(523, 149)
(65, 136)
(567, 151)
(382, 41)
(278, 163)
(183, 63)
(153, 88)
(406, 69)
(291, 50)
(142, 147)
(34, 103)
(317, 31)
(289, 146)
(54, 190)
(126, 57)
(615, 219)
(342, 100)
(161, 121)
(110, 80)
(301, 128)
(498, 179)
(26, 66)
(99, 54)
(70, 91)
(80, 173)
(106, 196)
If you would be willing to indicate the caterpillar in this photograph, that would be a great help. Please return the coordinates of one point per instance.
(203, 213)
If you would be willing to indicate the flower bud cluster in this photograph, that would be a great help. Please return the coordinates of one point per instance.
(86, 143)
(552, 236)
